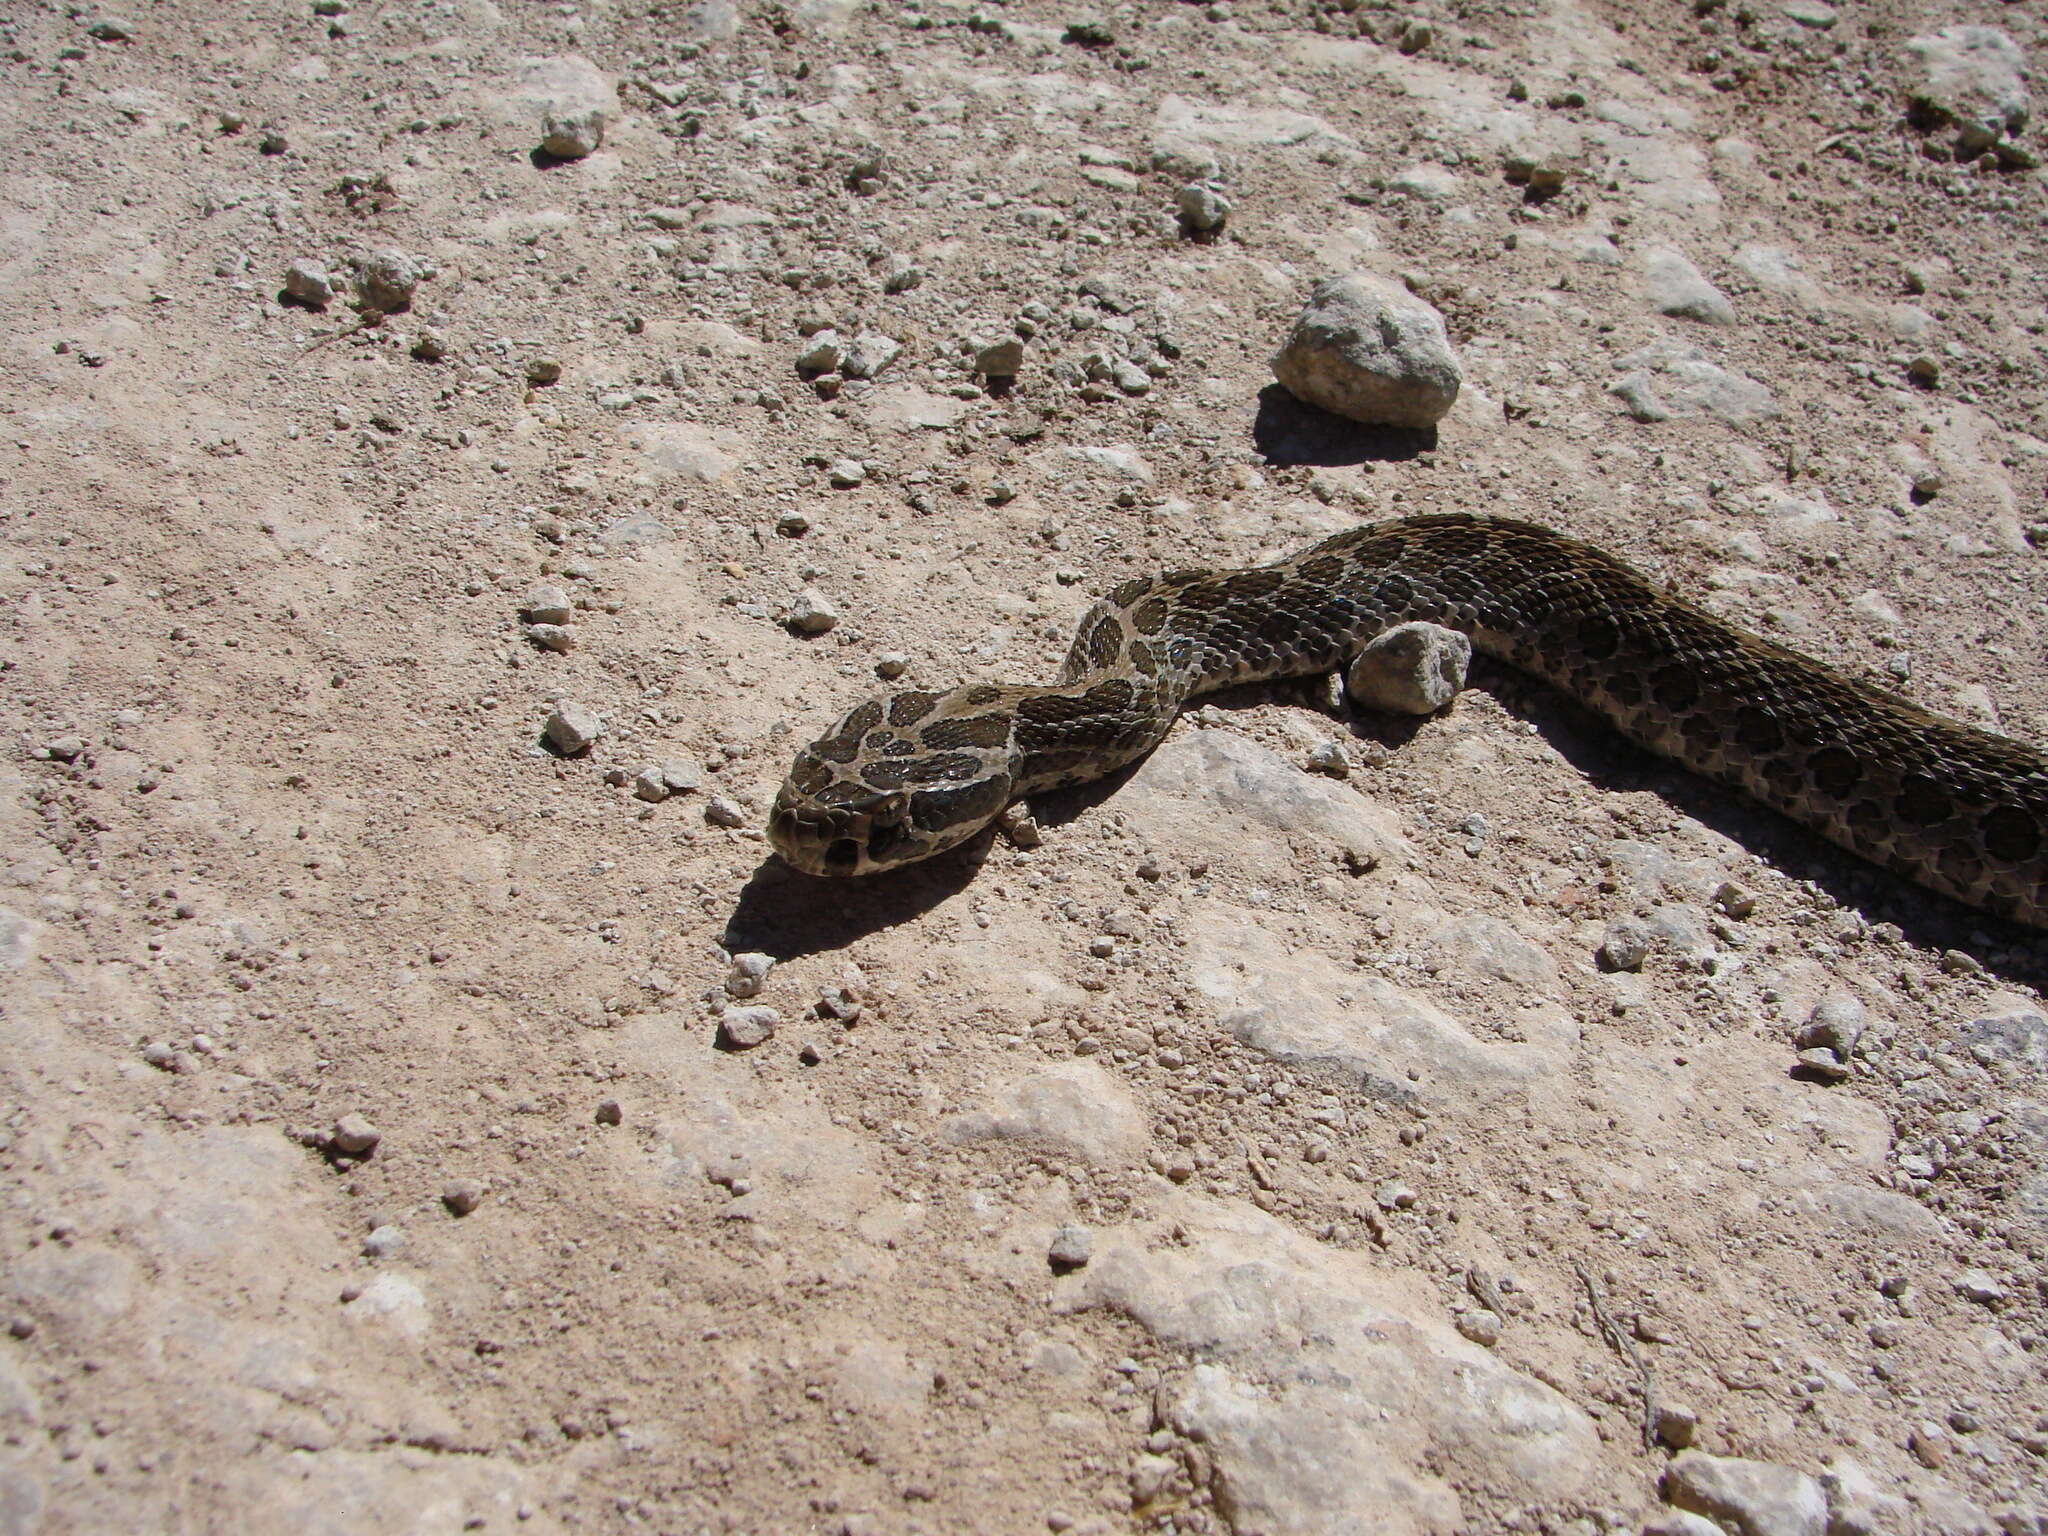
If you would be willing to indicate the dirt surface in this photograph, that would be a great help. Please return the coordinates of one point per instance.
(1266, 1151)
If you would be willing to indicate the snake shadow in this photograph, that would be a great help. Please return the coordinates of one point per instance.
(1615, 765)
(1290, 431)
(788, 914)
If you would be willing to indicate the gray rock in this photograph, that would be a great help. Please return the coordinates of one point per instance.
(1974, 77)
(572, 135)
(571, 729)
(1001, 358)
(650, 785)
(723, 811)
(1677, 288)
(1858, 1504)
(1366, 348)
(742, 1028)
(1625, 945)
(548, 605)
(1411, 669)
(1215, 792)
(748, 973)
(680, 776)
(1369, 1382)
(1679, 1522)
(844, 474)
(1481, 1325)
(1201, 207)
(1836, 1024)
(870, 353)
(386, 279)
(1071, 1247)
(559, 638)
(383, 1241)
(1672, 378)
(1980, 1286)
(2018, 1039)
(355, 1135)
(1073, 1105)
(1750, 1498)
(309, 283)
(461, 1196)
(822, 353)
(812, 613)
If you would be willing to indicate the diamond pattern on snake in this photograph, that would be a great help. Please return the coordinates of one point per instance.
(1961, 811)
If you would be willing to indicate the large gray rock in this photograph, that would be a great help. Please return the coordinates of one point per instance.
(1367, 348)
(1677, 288)
(1975, 77)
(1328, 1399)
(1750, 1498)
(1672, 378)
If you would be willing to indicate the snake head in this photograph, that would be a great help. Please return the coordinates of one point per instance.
(897, 780)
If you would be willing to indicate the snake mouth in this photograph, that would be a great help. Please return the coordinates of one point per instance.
(841, 840)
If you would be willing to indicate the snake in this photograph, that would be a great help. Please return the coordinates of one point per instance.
(1956, 809)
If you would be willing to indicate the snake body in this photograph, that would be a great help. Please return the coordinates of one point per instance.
(1959, 810)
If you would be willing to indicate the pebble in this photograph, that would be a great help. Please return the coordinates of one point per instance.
(543, 371)
(812, 613)
(162, 1055)
(1330, 757)
(743, 1028)
(841, 1004)
(383, 1241)
(1201, 207)
(547, 605)
(559, 638)
(571, 729)
(1676, 1425)
(651, 785)
(355, 1135)
(793, 525)
(1366, 348)
(609, 1112)
(1395, 1196)
(723, 812)
(1000, 359)
(891, 664)
(1625, 946)
(1411, 669)
(1823, 1063)
(462, 1196)
(846, 473)
(749, 972)
(1836, 1024)
(823, 353)
(386, 279)
(1071, 1247)
(572, 135)
(1980, 1286)
(680, 776)
(111, 29)
(65, 749)
(870, 353)
(1750, 1498)
(1481, 1325)
(309, 284)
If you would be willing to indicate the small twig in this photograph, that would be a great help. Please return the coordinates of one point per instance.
(1618, 1340)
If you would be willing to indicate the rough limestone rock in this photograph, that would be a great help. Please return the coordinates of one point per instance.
(1974, 77)
(1366, 348)
(1328, 1401)
(1677, 288)
(1412, 669)
(1750, 1498)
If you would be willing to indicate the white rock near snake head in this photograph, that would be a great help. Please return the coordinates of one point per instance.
(1367, 348)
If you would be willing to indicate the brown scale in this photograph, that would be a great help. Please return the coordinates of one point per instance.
(1956, 809)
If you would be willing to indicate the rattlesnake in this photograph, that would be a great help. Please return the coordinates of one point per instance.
(1959, 810)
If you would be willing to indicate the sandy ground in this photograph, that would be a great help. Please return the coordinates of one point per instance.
(1265, 1152)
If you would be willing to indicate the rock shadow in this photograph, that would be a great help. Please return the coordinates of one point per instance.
(1289, 431)
(788, 914)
